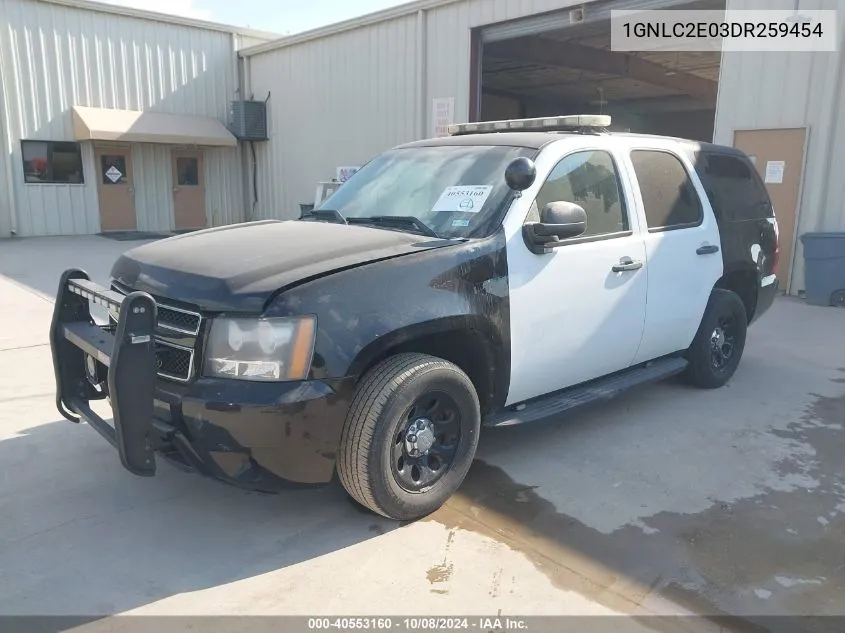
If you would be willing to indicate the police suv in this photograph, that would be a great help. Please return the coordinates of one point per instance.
(501, 275)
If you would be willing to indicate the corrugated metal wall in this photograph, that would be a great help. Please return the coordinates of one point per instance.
(341, 99)
(333, 101)
(54, 57)
(783, 90)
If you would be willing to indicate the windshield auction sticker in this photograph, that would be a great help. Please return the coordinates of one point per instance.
(466, 198)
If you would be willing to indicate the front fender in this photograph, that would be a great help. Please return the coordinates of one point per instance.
(460, 325)
(364, 311)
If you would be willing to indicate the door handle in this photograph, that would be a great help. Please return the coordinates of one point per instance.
(625, 264)
(707, 249)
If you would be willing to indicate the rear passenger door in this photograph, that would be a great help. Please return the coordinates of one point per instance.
(683, 249)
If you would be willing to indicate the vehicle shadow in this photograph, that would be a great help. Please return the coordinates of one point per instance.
(676, 500)
(80, 535)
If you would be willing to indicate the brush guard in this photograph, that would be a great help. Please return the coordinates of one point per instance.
(118, 362)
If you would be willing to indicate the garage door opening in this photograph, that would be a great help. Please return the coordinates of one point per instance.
(567, 67)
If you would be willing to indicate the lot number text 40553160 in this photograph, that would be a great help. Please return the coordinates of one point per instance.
(423, 623)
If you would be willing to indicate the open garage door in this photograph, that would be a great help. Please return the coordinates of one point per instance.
(562, 63)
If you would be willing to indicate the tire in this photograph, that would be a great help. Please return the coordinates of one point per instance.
(724, 308)
(388, 400)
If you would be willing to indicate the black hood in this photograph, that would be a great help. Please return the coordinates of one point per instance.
(238, 267)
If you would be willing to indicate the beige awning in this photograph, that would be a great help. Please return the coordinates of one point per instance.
(103, 124)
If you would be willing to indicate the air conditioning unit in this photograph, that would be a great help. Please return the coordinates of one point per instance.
(248, 120)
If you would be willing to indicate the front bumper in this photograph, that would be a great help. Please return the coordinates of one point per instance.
(260, 436)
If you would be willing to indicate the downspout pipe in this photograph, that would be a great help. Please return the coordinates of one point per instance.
(422, 72)
(5, 137)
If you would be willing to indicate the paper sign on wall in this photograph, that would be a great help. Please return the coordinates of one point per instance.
(774, 172)
(467, 199)
(443, 114)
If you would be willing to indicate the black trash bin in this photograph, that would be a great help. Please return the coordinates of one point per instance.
(824, 268)
(305, 208)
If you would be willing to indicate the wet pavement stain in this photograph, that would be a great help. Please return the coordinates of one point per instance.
(440, 573)
(760, 556)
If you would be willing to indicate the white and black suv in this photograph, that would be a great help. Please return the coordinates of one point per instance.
(501, 275)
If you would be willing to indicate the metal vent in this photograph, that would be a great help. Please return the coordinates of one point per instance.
(248, 120)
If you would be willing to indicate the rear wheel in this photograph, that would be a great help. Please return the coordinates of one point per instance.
(410, 436)
(720, 341)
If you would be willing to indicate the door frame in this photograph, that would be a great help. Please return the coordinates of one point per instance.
(790, 280)
(202, 151)
(100, 147)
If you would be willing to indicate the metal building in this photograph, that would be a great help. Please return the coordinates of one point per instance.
(788, 108)
(343, 93)
(113, 119)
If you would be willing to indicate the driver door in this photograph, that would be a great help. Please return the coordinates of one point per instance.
(572, 317)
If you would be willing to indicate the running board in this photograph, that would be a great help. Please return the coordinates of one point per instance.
(598, 390)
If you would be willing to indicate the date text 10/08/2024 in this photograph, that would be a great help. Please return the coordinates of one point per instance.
(424, 623)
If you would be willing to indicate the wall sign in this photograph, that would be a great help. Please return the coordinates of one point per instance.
(345, 173)
(774, 172)
(443, 115)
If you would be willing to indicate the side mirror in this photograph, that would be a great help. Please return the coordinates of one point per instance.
(520, 173)
(558, 221)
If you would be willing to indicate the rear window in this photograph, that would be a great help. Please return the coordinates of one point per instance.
(734, 188)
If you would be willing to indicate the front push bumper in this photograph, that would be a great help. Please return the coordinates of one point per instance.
(259, 436)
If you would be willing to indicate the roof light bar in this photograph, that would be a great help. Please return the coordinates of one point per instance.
(596, 122)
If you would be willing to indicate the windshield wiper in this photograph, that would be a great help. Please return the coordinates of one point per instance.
(328, 215)
(401, 220)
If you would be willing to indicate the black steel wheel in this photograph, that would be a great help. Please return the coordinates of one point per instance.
(723, 342)
(410, 436)
(718, 345)
(426, 441)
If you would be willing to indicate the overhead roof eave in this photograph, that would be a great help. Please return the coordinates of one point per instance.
(104, 124)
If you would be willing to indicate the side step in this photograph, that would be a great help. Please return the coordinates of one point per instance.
(598, 390)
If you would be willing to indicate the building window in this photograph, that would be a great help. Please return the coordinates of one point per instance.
(52, 162)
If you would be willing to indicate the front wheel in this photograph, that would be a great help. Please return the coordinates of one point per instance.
(718, 345)
(410, 436)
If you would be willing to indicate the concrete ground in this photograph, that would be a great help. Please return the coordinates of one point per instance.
(668, 500)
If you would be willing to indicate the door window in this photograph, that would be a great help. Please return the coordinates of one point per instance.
(669, 197)
(113, 169)
(187, 171)
(589, 179)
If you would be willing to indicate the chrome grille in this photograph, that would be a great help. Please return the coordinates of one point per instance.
(174, 362)
(171, 317)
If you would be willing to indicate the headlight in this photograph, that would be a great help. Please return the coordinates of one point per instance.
(269, 350)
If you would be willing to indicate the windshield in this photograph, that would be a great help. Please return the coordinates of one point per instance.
(456, 191)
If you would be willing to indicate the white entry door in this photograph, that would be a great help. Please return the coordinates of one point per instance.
(573, 318)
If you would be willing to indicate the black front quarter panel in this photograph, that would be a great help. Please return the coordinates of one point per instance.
(365, 311)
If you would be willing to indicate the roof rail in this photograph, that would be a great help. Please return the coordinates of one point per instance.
(585, 123)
